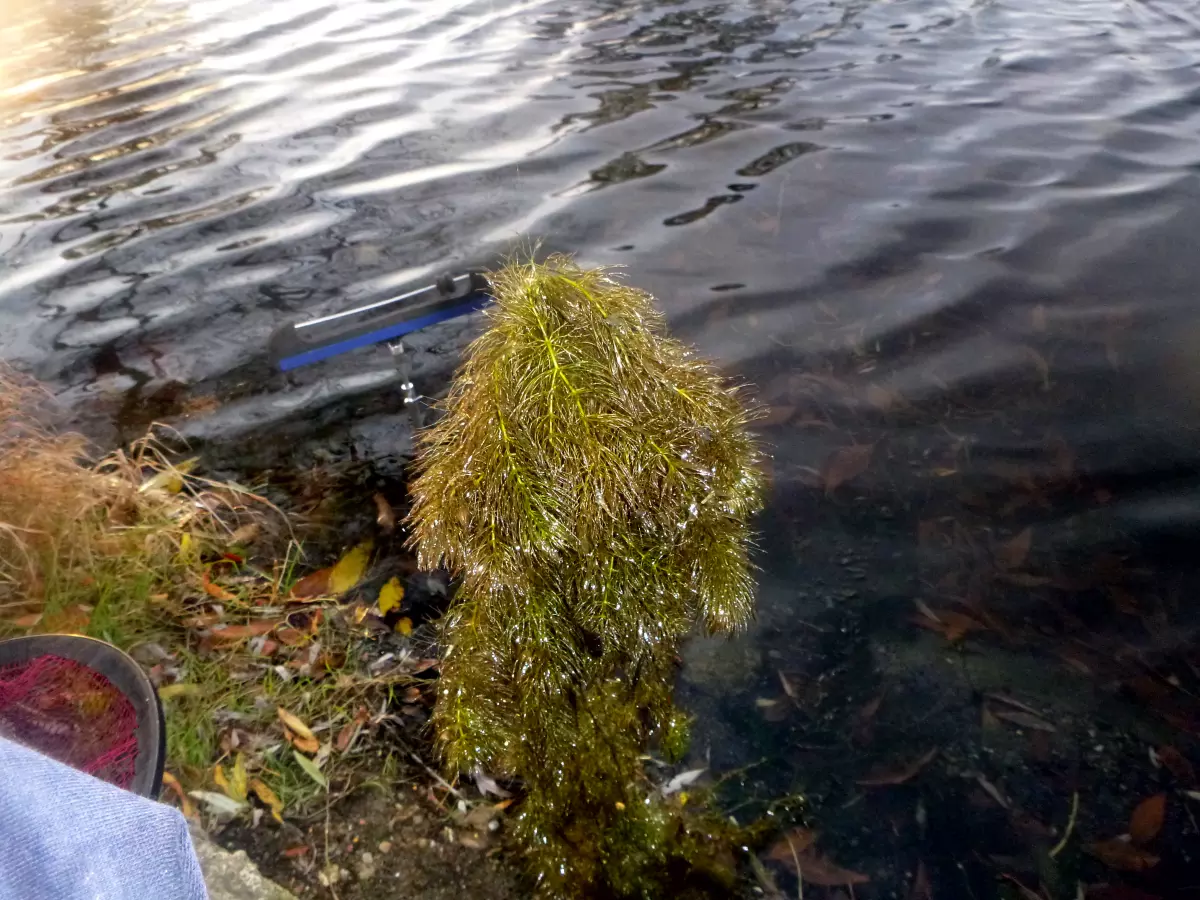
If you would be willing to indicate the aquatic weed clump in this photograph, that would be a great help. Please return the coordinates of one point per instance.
(591, 483)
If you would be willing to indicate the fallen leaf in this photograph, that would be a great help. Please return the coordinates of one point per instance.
(901, 775)
(187, 546)
(268, 797)
(950, 624)
(214, 590)
(73, 619)
(390, 596)
(314, 584)
(295, 724)
(1012, 553)
(1026, 893)
(1122, 856)
(348, 732)
(385, 516)
(1041, 365)
(1013, 702)
(169, 479)
(231, 633)
(864, 721)
(992, 791)
(1177, 764)
(404, 625)
(797, 840)
(307, 745)
(921, 888)
(219, 778)
(1024, 719)
(817, 869)
(1037, 318)
(310, 769)
(682, 780)
(882, 398)
(349, 570)
(218, 803)
(185, 804)
(489, 788)
(924, 610)
(297, 851)
(1147, 819)
(28, 621)
(237, 779)
(845, 464)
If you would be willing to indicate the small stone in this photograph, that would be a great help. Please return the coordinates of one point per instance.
(366, 867)
(385, 846)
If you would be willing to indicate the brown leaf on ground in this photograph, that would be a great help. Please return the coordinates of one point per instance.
(385, 516)
(1122, 856)
(73, 619)
(883, 398)
(1024, 719)
(1177, 764)
(214, 590)
(952, 625)
(898, 776)
(294, 724)
(346, 736)
(185, 802)
(864, 721)
(1147, 819)
(817, 869)
(228, 634)
(845, 464)
(797, 840)
(315, 584)
(921, 888)
(1012, 553)
(1026, 893)
(268, 797)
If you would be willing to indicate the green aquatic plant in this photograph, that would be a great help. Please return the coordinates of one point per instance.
(591, 484)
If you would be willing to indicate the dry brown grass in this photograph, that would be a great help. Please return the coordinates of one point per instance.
(138, 550)
(76, 536)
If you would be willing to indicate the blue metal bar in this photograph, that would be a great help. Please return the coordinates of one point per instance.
(317, 354)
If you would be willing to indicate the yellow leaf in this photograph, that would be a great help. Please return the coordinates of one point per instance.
(219, 778)
(295, 725)
(169, 479)
(350, 568)
(268, 796)
(237, 780)
(185, 803)
(404, 626)
(390, 596)
(186, 546)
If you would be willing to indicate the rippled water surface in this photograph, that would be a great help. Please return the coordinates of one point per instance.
(952, 242)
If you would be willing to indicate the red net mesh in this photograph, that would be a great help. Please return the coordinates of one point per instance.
(72, 713)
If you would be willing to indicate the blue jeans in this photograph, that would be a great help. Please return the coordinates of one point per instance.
(65, 835)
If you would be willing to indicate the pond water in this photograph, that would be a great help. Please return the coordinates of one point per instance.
(953, 243)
